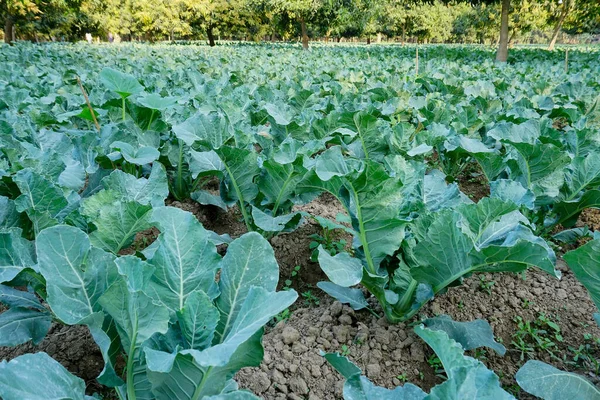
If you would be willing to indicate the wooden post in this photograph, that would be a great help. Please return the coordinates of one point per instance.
(417, 63)
(567, 61)
(87, 100)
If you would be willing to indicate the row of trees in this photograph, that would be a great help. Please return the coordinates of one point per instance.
(465, 21)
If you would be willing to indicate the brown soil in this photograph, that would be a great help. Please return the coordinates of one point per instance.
(293, 368)
(590, 217)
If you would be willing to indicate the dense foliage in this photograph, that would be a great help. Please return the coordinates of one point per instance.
(264, 128)
(464, 21)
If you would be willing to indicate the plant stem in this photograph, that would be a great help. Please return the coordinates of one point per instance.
(179, 183)
(130, 361)
(150, 122)
(123, 108)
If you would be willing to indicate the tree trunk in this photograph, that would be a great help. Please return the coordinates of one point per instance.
(563, 15)
(502, 54)
(339, 39)
(379, 37)
(368, 39)
(211, 36)
(8, 30)
(511, 38)
(304, 34)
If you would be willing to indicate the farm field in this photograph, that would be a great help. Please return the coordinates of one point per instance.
(164, 209)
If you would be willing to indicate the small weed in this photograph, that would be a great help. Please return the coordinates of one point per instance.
(326, 239)
(461, 305)
(421, 375)
(402, 378)
(526, 303)
(480, 354)
(310, 299)
(584, 356)
(435, 363)
(345, 351)
(485, 285)
(538, 335)
(282, 316)
(290, 281)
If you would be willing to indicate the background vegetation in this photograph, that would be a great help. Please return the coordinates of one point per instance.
(435, 21)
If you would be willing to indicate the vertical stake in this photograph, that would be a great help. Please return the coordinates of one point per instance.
(567, 61)
(417, 63)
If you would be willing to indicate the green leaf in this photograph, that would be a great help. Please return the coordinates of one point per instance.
(250, 261)
(9, 216)
(16, 254)
(470, 335)
(359, 387)
(281, 223)
(352, 297)
(342, 269)
(444, 255)
(136, 316)
(507, 190)
(152, 190)
(211, 130)
(468, 378)
(155, 101)
(116, 221)
(331, 163)
(198, 321)
(38, 377)
(139, 155)
(550, 383)
(76, 274)
(585, 264)
(19, 298)
(40, 199)
(539, 168)
(342, 365)
(259, 307)
(277, 183)
(20, 325)
(185, 259)
(568, 212)
(119, 82)
(584, 174)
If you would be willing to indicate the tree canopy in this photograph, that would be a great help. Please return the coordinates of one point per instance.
(423, 21)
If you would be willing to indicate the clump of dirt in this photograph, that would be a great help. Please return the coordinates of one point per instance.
(214, 218)
(142, 240)
(590, 217)
(474, 185)
(389, 354)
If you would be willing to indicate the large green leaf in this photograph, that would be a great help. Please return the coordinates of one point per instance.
(16, 253)
(468, 378)
(353, 297)
(539, 168)
(444, 255)
(119, 82)
(117, 221)
(152, 190)
(211, 130)
(185, 259)
(259, 307)
(40, 199)
(550, 383)
(585, 264)
(38, 377)
(20, 325)
(139, 155)
(198, 320)
(249, 262)
(76, 273)
(9, 216)
(342, 269)
(470, 335)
